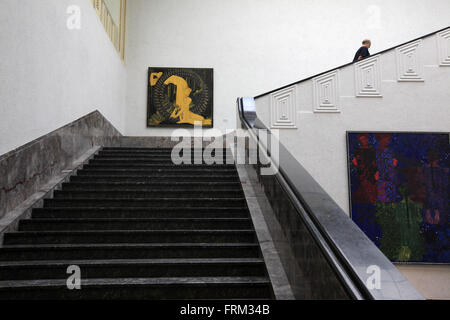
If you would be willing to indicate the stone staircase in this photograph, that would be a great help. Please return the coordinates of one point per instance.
(139, 227)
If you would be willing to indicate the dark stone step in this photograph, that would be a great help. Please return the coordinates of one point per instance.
(139, 203)
(156, 162)
(156, 150)
(173, 236)
(165, 151)
(192, 154)
(157, 173)
(115, 213)
(153, 178)
(151, 186)
(134, 148)
(167, 156)
(132, 194)
(107, 165)
(129, 251)
(140, 289)
(133, 224)
(162, 162)
(156, 268)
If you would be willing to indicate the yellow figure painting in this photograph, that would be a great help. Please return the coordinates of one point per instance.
(183, 103)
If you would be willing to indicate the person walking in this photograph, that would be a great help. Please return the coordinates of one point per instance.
(363, 52)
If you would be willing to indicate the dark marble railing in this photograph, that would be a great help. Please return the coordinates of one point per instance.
(24, 170)
(335, 257)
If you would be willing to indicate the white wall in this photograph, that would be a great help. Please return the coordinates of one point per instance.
(258, 45)
(49, 75)
(319, 139)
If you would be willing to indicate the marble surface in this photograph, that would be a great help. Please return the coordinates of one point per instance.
(25, 170)
(308, 269)
(255, 197)
(9, 222)
(343, 244)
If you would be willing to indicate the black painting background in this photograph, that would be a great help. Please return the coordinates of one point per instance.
(207, 74)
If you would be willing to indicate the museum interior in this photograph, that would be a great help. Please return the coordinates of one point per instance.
(226, 150)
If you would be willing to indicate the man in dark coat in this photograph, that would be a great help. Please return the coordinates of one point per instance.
(363, 52)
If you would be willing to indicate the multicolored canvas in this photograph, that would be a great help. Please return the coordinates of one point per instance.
(399, 187)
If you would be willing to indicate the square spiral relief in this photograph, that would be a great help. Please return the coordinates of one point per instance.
(409, 62)
(444, 48)
(326, 93)
(368, 78)
(283, 108)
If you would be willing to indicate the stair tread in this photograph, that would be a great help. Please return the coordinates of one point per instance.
(148, 199)
(152, 148)
(126, 245)
(138, 212)
(202, 281)
(131, 219)
(80, 232)
(151, 176)
(158, 183)
(96, 190)
(137, 208)
(99, 163)
(158, 162)
(170, 169)
(168, 158)
(131, 262)
(155, 149)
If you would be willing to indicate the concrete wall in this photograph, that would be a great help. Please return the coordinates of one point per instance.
(50, 75)
(258, 45)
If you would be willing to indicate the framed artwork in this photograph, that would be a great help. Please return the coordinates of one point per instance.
(399, 193)
(180, 97)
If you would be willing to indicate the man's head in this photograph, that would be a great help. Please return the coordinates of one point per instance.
(367, 43)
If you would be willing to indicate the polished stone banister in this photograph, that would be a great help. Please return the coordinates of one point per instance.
(347, 249)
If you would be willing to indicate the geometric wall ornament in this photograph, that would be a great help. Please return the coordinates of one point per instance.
(283, 109)
(368, 78)
(409, 62)
(444, 48)
(326, 93)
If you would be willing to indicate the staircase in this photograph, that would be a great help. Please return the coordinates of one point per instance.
(139, 227)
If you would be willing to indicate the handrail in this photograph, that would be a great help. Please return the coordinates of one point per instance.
(348, 64)
(347, 249)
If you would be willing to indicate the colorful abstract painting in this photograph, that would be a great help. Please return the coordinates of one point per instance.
(399, 189)
(180, 97)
